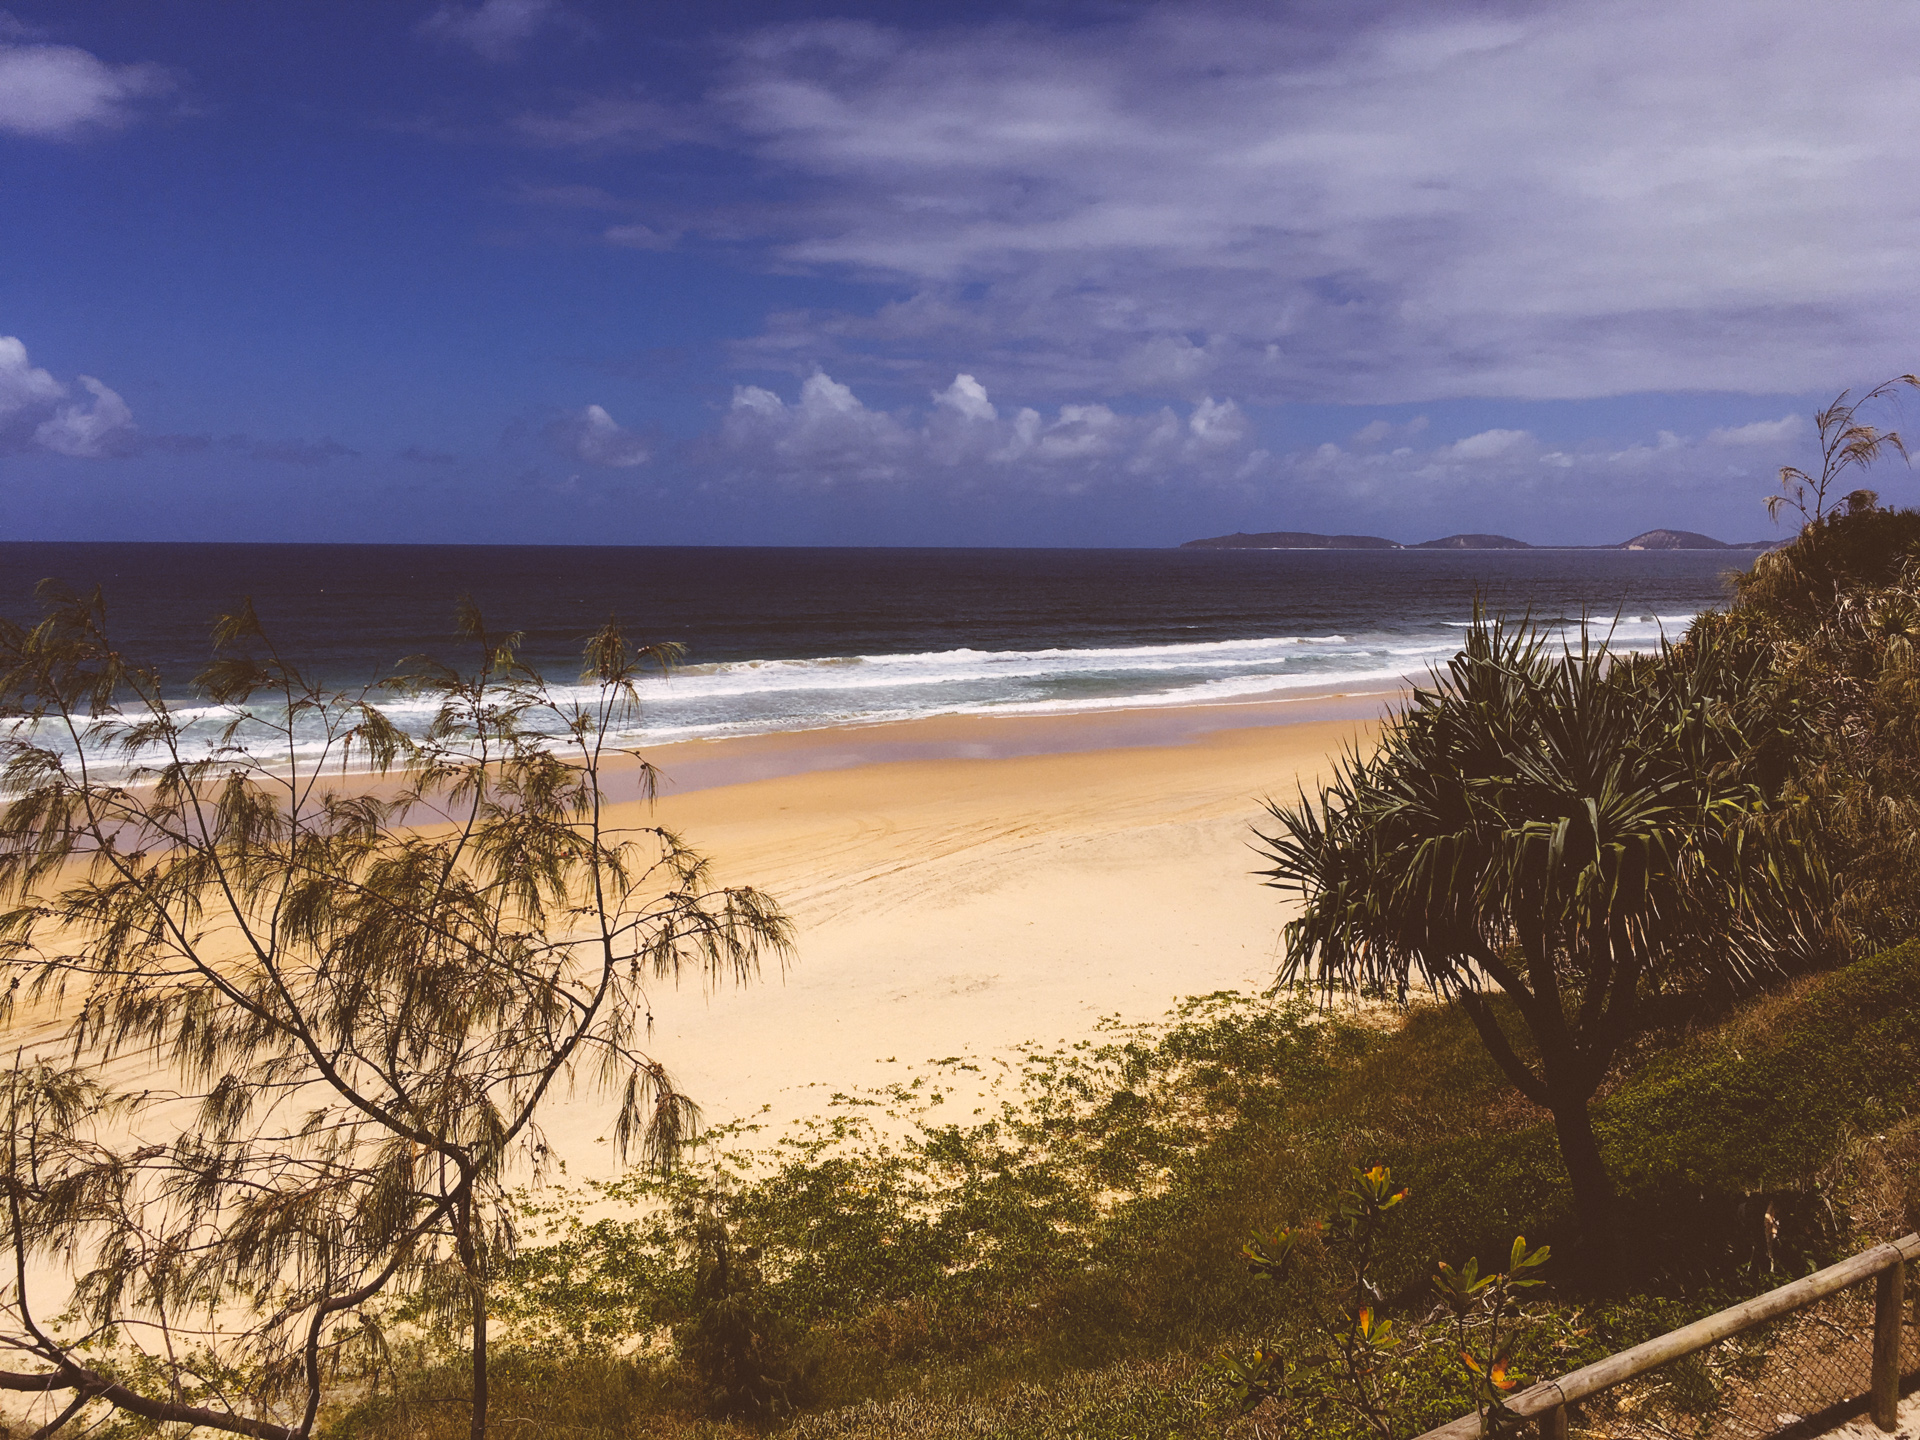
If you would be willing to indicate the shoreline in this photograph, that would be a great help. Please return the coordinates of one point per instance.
(688, 766)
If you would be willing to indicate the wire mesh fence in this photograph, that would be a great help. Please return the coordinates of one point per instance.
(1788, 1365)
(1797, 1375)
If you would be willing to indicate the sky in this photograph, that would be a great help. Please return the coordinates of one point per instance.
(515, 271)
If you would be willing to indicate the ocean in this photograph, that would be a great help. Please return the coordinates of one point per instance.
(791, 639)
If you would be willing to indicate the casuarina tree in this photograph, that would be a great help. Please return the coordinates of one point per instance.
(293, 986)
(1565, 826)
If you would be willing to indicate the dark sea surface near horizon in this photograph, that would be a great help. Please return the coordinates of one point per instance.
(781, 639)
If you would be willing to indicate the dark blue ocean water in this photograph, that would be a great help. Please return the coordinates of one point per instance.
(793, 638)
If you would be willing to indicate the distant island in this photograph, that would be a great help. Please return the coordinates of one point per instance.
(1687, 540)
(1472, 542)
(1308, 540)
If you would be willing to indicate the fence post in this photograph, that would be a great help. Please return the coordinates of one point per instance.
(1888, 1304)
(1552, 1424)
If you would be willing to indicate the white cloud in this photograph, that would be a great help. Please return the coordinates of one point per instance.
(57, 92)
(23, 386)
(1492, 445)
(39, 412)
(1406, 478)
(86, 430)
(493, 30)
(752, 400)
(1760, 432)
(1083, 432)
(967, 397)
(1398, 203)
(825, 438)
(596, 438)
(1217, 424)
(1377, 433)
(1507, 481)
(828, 438)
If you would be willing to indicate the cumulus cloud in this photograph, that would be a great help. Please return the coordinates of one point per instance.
(59, 92)
(1376, 433)
(38, 412)
(596, 438)
(1400, 478)
(495, 29)
(88, 420)
(1388, 202)
(23, 386)
(967, 398)
(1490, 445)
(1760, 432)
(828, 437)
(89, 430)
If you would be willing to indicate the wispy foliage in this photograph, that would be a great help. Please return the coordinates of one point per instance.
(349, 997)
(1846, 443)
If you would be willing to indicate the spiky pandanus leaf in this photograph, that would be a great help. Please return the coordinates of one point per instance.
(1563, 824)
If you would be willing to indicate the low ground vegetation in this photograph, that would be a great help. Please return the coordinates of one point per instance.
(1073, 1263)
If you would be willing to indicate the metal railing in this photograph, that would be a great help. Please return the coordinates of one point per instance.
(1793, 1361)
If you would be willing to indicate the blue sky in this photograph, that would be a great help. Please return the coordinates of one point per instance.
(550, 270)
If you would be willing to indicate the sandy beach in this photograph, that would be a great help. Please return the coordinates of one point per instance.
(963, 905)
(959, 886)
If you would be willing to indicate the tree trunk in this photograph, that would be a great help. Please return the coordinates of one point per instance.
(479, 1430)
(470, 1262)
(1593, 1197)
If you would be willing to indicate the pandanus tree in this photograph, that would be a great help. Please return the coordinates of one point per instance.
(1565, 826)
(291, 988)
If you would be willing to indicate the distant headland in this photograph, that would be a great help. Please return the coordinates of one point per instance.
(1308, 540)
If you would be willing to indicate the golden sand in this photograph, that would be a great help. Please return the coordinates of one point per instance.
(965, 905)
(954, 892)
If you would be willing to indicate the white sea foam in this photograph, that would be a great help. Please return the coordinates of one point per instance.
(758, 696)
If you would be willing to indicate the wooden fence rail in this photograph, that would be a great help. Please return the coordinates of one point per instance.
(1546, 1402)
